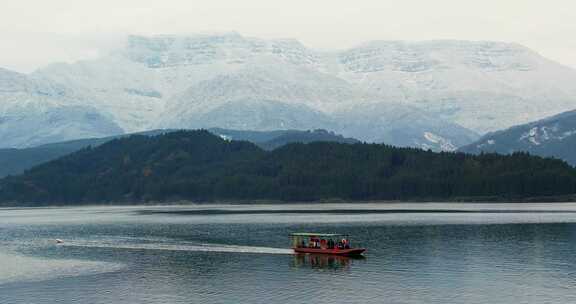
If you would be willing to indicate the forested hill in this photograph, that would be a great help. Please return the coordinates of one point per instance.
(197, 165)
(16, 161)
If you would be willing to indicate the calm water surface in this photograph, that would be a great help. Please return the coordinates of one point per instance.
(417, 253)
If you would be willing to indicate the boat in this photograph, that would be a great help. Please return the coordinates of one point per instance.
(324, 243)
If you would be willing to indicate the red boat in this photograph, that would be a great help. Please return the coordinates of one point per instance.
(323, 243)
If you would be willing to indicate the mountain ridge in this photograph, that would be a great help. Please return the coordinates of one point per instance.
(553, 136)
(166, 81)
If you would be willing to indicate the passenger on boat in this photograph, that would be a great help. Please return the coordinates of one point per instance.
(330, 244)
(314, 243)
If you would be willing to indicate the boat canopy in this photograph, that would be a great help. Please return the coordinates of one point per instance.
(319, 235)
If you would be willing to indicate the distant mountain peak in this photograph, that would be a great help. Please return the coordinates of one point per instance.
(163, 51)
(447, 89)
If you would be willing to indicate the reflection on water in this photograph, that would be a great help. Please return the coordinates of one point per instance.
(121, 255)
(324, 261)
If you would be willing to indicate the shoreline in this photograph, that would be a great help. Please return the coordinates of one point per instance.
(456, 200)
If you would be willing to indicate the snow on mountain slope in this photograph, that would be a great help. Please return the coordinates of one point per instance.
(34, 112)
(133, 84)
(445, 144)
(550, 137)
(484, 86)
(402, 126)
(265, 100)
(285, 83)
(253, 114)
(114, 85)
(170, 80)
(175, 51)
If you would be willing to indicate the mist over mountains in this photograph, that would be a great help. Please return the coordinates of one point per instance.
(436, 95)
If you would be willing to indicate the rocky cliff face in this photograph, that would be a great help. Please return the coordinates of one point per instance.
(176, 51)
(483, 86)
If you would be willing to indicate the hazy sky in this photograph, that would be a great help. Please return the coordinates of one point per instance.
(36, 32)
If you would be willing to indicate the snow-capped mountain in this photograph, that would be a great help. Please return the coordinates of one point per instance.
(550, 137)
(483, 86)
(435, 94)
(125, 90)
(302, 98)
(36, 111)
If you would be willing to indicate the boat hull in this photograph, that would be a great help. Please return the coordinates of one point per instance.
(340, 252)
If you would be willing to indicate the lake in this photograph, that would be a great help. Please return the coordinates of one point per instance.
(417, 253)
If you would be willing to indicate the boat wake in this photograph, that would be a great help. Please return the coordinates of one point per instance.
(180, 247)
(19, 268)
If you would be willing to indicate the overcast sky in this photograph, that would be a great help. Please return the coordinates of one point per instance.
(36, 32)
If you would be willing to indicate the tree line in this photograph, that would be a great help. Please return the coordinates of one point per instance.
(199, 166)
